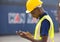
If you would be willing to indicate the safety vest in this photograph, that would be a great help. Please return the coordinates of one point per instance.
(51, 30)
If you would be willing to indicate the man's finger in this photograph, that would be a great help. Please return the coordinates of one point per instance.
(18, 33)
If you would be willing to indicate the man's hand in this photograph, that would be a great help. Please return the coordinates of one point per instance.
(26, 35)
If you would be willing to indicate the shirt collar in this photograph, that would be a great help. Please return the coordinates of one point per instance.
(42, 15)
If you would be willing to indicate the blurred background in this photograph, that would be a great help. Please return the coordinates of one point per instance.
(13, 18)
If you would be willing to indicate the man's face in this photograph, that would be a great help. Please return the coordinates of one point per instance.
(36, 12)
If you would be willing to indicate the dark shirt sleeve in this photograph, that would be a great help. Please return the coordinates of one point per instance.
(45, 28)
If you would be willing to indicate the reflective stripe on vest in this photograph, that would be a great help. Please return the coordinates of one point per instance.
(51, 30)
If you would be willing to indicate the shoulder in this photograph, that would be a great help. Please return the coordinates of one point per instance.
(45, 23)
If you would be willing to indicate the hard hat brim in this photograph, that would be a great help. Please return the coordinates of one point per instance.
(27, 11)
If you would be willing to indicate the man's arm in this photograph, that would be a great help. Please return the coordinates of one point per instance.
(29, 36)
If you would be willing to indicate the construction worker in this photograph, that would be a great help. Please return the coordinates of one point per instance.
(44, 31)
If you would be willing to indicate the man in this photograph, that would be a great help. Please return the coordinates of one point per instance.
(44, 28)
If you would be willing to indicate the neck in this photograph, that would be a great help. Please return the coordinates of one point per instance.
(43, 14)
